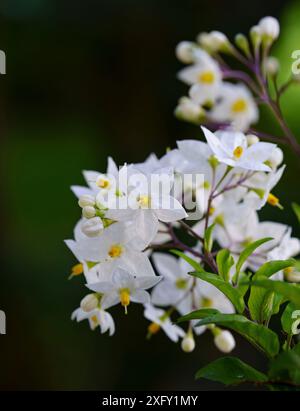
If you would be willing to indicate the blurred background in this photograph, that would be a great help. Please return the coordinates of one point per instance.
(88, 79)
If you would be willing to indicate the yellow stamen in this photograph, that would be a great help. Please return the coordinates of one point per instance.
(238, 151)
(103, 183)
(288, 270)
(273, 200)
(207, 77)
(144, 201)
(206, 302)
(239, 106)
(115, 251)
(211, 210)
(181, 283)
(95, 321)
(125, 298)
(76, 270)
(153, 328)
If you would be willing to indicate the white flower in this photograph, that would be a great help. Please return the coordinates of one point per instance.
(161, 320)
(224, 341)
(112, 249)
(231, 148)
(176, 282)
(235, 105)
(149, 201)
(276, 158)
(124, 288)
(188, 110)
(260, 186)
(269, 27)
(96, 317)
(92, 227)
(205, 77)
(271, 65)
(88, 212)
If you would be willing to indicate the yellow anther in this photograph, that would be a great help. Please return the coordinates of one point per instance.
(207, 77)
(95, 321)
(115, 251)
(76, 270)
(273, 200)
(206, 302)
(153, 328)
(206, 185)
(238, 152)
(288, 270)
(239, 106)
(181, 283)
(103, 183)
(125, 298)
(211, 210)
(144, 201)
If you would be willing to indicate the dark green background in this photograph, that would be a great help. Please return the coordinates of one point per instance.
(88, 79)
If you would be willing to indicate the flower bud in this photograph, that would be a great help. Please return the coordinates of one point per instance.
(89, 302)
(242, 42)
(271, 66)
(86, 200)
(185, 52)
(214, 41)
(88, 212)
(188, 343)
(291, 275)
(270, 28)
(252, 139)
(255, 35)
(92, 227)
(187, 110)
(224, 341)
(276, 158)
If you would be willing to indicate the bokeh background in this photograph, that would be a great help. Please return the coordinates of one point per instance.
(88, 79)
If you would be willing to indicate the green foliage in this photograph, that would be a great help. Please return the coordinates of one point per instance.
(227, 289)
(286, 368)
(224, 262)
(208, 239)
(188, 259)
(258, 335)
(264, 303)
(290, 291)
(288, 319)
(230, 371)
(296, 209)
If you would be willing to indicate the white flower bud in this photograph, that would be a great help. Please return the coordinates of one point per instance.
(276, 157)
(271, 66)
(291, 275)
(189, 111)
(185, 52)
(214, 41)
(188, 343)
(86, 200)
(88, 212)
(252, 139)
(224, 341)
(89, 302)
(269, 27)
(92, 227)
(255, 35)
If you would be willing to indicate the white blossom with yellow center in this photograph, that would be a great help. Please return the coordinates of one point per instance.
(231, 148)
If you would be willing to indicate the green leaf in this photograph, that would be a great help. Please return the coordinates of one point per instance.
(224, 262)
(258, 335)
(226, 288)
(208, 240)
(290, 291)
(197, 266)
(264, 303)
(248, 251)
(296, 209)
(286, 368)
(229, 371)
(196, 315)
(242, 287)
(290, 317)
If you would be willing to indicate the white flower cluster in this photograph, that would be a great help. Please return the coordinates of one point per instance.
(127, 221)
(211, 99)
